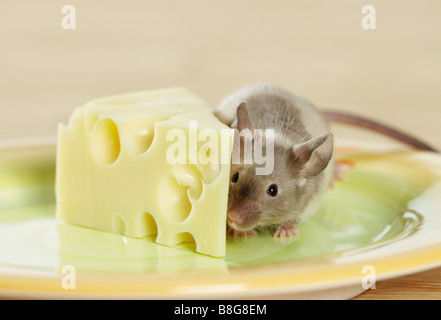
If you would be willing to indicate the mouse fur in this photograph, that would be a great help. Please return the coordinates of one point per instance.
(303, 160)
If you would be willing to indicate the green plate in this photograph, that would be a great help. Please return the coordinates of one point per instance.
(383, 218)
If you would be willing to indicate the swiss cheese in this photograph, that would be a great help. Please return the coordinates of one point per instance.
(118, 168)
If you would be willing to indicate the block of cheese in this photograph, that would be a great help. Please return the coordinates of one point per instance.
(122, 168)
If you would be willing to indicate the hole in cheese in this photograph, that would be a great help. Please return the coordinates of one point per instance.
(137, 134)
(173, 198)
(184, 237)
(119, 225)
(209, 171)
(147, 224)
(189, 176)
(105, 142)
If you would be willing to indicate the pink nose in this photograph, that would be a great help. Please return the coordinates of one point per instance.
(241, 217)
(236, 216)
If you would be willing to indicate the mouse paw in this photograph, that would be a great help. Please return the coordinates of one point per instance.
(286, 230)
(241, 234)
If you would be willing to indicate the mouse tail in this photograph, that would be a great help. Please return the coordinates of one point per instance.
(350, 119)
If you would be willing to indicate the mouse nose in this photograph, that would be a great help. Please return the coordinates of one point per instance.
(241, 217)
(236, 216)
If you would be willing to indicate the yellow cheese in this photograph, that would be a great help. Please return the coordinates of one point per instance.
(121, 168)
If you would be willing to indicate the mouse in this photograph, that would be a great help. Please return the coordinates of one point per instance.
(303, 160)
(302, 147)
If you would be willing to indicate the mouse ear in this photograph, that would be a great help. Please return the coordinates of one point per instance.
(243, 118)
(314, 155)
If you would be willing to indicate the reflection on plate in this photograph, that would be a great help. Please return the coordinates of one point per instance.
(382, 221)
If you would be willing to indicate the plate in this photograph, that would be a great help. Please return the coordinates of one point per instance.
(381, 221)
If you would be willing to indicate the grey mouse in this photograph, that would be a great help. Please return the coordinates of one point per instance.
(303, 166)
(303, 160)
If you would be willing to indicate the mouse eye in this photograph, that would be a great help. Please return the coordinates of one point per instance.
(272, 190)
(235, 177)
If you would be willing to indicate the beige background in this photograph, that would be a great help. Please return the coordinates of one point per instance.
(315, 48)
